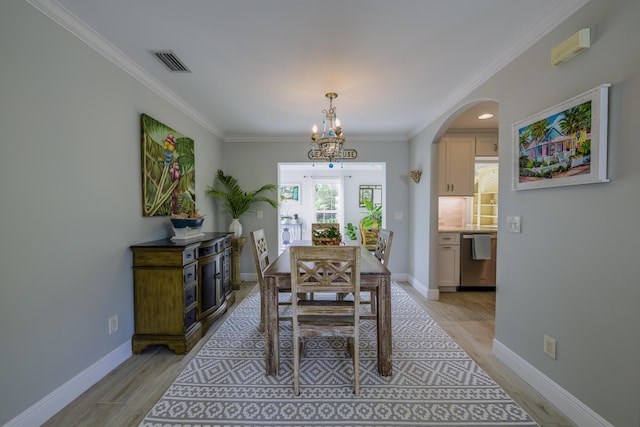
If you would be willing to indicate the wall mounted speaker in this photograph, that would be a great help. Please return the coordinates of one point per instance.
(571, 46)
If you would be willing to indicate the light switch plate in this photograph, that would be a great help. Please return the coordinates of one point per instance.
(513, 223)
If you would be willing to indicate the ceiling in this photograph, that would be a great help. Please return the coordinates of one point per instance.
(259, 69)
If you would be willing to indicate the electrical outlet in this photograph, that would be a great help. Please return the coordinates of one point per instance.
(260, 214)
(398, 215)
(550, 347)
(113, 324)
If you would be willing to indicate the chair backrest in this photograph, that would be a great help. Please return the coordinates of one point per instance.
(260, 252)
(330, 269)
(383, 246)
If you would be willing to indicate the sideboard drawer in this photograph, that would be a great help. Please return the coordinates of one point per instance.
(190, 318)
(189, 255)
(219, 245)
(204, 251)
(190, 274)
(190, 297)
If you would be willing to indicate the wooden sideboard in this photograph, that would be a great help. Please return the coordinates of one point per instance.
(180, 288)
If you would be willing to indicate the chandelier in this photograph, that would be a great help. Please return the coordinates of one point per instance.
(330, 145)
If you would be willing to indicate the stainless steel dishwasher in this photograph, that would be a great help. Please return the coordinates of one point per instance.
(477, 273)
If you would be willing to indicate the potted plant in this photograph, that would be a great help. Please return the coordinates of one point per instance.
(370, 224)
(235, 201)
(327, 236)
(351, 231)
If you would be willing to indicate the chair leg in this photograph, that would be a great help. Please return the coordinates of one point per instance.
(296, 366)
(374, 303)
(353, 345)
(356, 366)
(303, 349)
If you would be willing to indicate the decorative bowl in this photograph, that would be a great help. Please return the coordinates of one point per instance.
(184, 223)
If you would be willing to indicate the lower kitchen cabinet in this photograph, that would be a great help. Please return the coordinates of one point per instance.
(180, 288)
(448, 261)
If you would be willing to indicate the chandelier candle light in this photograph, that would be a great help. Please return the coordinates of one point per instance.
(330, 145)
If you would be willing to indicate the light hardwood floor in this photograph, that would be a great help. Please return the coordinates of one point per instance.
(126, 394)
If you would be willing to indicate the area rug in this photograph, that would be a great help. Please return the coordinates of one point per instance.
(434, 382)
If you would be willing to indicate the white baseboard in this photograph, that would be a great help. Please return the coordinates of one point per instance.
(568, 404)
(59, 398)
(424, 290)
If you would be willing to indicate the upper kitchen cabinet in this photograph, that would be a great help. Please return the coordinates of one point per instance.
(487, 145)
(456, 165)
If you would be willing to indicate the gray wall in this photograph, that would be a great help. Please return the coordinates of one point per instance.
(256, 163)
(570, 273)
(71, 202)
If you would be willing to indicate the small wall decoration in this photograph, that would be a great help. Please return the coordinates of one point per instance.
(563, 145)
(415, 175)
(290, 193)
(168, 170)
(371, 193)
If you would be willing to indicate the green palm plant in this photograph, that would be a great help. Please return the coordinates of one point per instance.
(370, 224)
(235, 201)
(373, 219)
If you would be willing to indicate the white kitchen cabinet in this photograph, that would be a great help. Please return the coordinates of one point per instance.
(448, 261)
(456, 165)
(487, 145)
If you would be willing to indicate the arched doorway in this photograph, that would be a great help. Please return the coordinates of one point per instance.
(465, 207)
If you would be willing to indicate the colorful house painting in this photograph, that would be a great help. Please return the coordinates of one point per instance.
(557, 145)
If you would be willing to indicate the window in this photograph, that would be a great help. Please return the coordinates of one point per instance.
(326, 200)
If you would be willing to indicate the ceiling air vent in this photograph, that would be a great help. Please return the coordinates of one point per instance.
(171, 61)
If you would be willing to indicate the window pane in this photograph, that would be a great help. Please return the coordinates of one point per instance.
(322, 217)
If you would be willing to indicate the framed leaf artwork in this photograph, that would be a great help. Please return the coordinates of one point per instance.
(168, 170)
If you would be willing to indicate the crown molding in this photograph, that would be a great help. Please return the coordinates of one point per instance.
(70, 22)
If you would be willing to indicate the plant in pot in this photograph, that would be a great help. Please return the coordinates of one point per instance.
(351, 231)
(370, 224)
(327, 236)
(235, 201)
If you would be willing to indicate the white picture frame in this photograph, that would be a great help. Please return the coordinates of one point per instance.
(563, 145)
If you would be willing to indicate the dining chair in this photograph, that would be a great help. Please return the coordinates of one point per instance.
(382, 252)
(325, 271)
(261, 257)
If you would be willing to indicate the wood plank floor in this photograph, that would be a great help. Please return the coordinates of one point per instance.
(129, 392)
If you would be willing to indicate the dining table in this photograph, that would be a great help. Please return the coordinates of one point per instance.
(374, 277)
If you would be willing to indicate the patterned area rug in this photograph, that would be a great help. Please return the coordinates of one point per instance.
(434, 382)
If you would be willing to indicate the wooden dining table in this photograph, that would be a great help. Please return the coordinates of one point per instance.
(374, 276)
